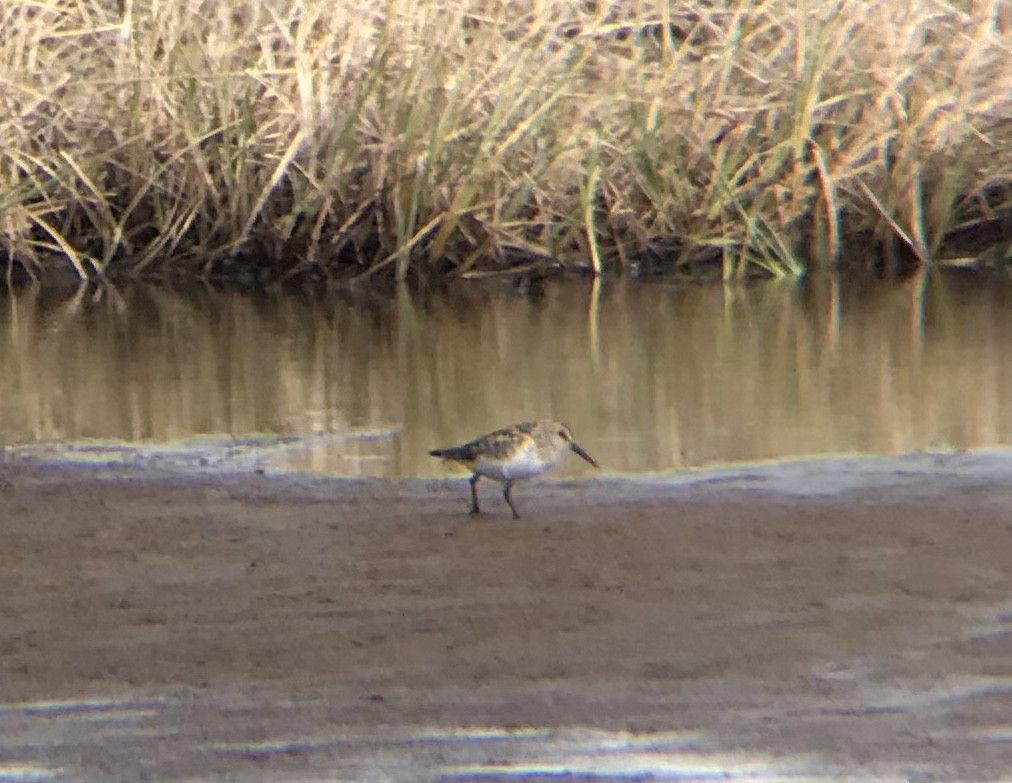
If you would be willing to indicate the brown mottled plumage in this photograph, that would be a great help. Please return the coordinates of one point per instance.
(513, 453)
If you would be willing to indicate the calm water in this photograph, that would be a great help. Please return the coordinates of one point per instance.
(650, 376)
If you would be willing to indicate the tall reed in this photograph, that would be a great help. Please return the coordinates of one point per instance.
(419, 137)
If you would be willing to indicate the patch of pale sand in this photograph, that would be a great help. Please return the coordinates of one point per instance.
(184, 627)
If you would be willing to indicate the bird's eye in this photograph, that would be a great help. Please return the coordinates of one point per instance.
(562, 434)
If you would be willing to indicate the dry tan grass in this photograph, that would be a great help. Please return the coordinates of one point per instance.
(447, 136)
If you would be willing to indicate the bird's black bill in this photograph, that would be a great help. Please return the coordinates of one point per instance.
(583, 454)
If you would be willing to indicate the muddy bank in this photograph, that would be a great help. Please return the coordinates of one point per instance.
(176, 626)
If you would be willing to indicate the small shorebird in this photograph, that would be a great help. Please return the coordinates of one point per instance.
(513, 453)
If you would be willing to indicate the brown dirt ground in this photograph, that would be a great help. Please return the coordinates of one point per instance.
(167, 627)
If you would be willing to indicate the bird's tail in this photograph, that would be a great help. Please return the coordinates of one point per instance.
(465, 452)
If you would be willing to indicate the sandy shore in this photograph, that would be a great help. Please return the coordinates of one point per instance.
(169, 626)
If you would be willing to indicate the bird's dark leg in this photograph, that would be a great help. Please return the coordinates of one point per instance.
(475, 511)
(506, 494)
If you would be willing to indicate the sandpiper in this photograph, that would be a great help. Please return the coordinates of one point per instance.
(513, 453)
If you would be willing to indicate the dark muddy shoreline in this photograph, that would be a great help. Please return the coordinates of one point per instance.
(180, 626)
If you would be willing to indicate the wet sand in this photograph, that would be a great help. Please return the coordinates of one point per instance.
(167, 626)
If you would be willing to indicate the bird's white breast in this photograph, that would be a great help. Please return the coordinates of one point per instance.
(526, 462)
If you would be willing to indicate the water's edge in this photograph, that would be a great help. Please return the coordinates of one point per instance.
(829, 475)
